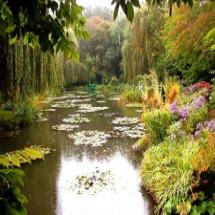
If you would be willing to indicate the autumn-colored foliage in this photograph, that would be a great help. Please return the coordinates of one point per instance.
(205, 157)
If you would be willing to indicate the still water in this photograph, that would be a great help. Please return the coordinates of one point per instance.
(49, 184)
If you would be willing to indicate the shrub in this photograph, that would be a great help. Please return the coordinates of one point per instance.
(212, 97)
(175, 132)
(156, 123)
(130, 95)
(196, 116)
(205, 157)
(11, 199)
(166, 171)
(8, 120)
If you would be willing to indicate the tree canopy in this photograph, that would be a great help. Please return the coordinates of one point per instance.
(46, 22)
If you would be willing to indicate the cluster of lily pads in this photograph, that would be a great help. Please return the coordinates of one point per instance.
(88, 108)
(133, 132)
(134, 105)
(125, 120)
(64, 127)
(92, 138)
(76, 118)
(49, 110)
(93, 182)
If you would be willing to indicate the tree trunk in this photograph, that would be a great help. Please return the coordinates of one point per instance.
(4, 72)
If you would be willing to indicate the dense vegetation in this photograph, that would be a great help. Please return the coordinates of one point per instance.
(163, 63)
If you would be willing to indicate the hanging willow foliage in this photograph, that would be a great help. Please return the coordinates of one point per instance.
(140, 50)
(32, 71)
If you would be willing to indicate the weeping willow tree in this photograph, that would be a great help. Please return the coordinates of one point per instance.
(32, 71)
(141, 48)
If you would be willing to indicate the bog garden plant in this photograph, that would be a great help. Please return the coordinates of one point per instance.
(178, 162)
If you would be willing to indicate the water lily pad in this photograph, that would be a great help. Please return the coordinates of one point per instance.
(93, 138)
(76, 118)
(88, 108)
(49, 110)
(134, 105)
(101, 102)
(41, 118)
(92, 182)
(117, 98)
(133, 132)
(63, 104)
(64, 127)
(125, 120)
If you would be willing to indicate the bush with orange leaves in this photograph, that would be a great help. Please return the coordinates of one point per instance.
(205, 157)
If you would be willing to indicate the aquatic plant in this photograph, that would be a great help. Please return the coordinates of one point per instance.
(132, 132)
(64, 127)
(49, 110)
(93, 138)
(92, 182)
(88, 108)
(26, 155)
(76, 118)
(125, 120)
(41, 118)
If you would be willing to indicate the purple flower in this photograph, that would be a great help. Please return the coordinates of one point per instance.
(173, 108)
(199, 102)
(184, 113)
(199, 126)
(210, 125)
(197, 133)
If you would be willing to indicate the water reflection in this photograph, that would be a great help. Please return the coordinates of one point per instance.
(125, 197)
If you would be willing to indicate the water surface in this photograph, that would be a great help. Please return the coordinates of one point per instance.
(48, 183)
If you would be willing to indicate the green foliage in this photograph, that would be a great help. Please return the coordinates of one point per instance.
(127, 6)
(19, 113)
(187, 39)
(175, 132)
(43, 22)
(26, 155)
(156, 123)
(11, 199)
(166, 171)
(130, 94)
(101, 54)
(195, 116)
(212, 97)
(142, 47)
(8, 120)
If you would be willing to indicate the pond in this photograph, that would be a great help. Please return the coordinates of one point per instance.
(93, 170)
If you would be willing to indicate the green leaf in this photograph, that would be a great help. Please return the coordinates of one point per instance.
(12, 40)
(116, 10)
(190, 2)
(130, 11)
(136, 3)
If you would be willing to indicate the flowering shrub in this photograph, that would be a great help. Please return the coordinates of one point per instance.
(202, 85)
(191, 113)
(206, 126)
(199, 102)
(175, 132)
